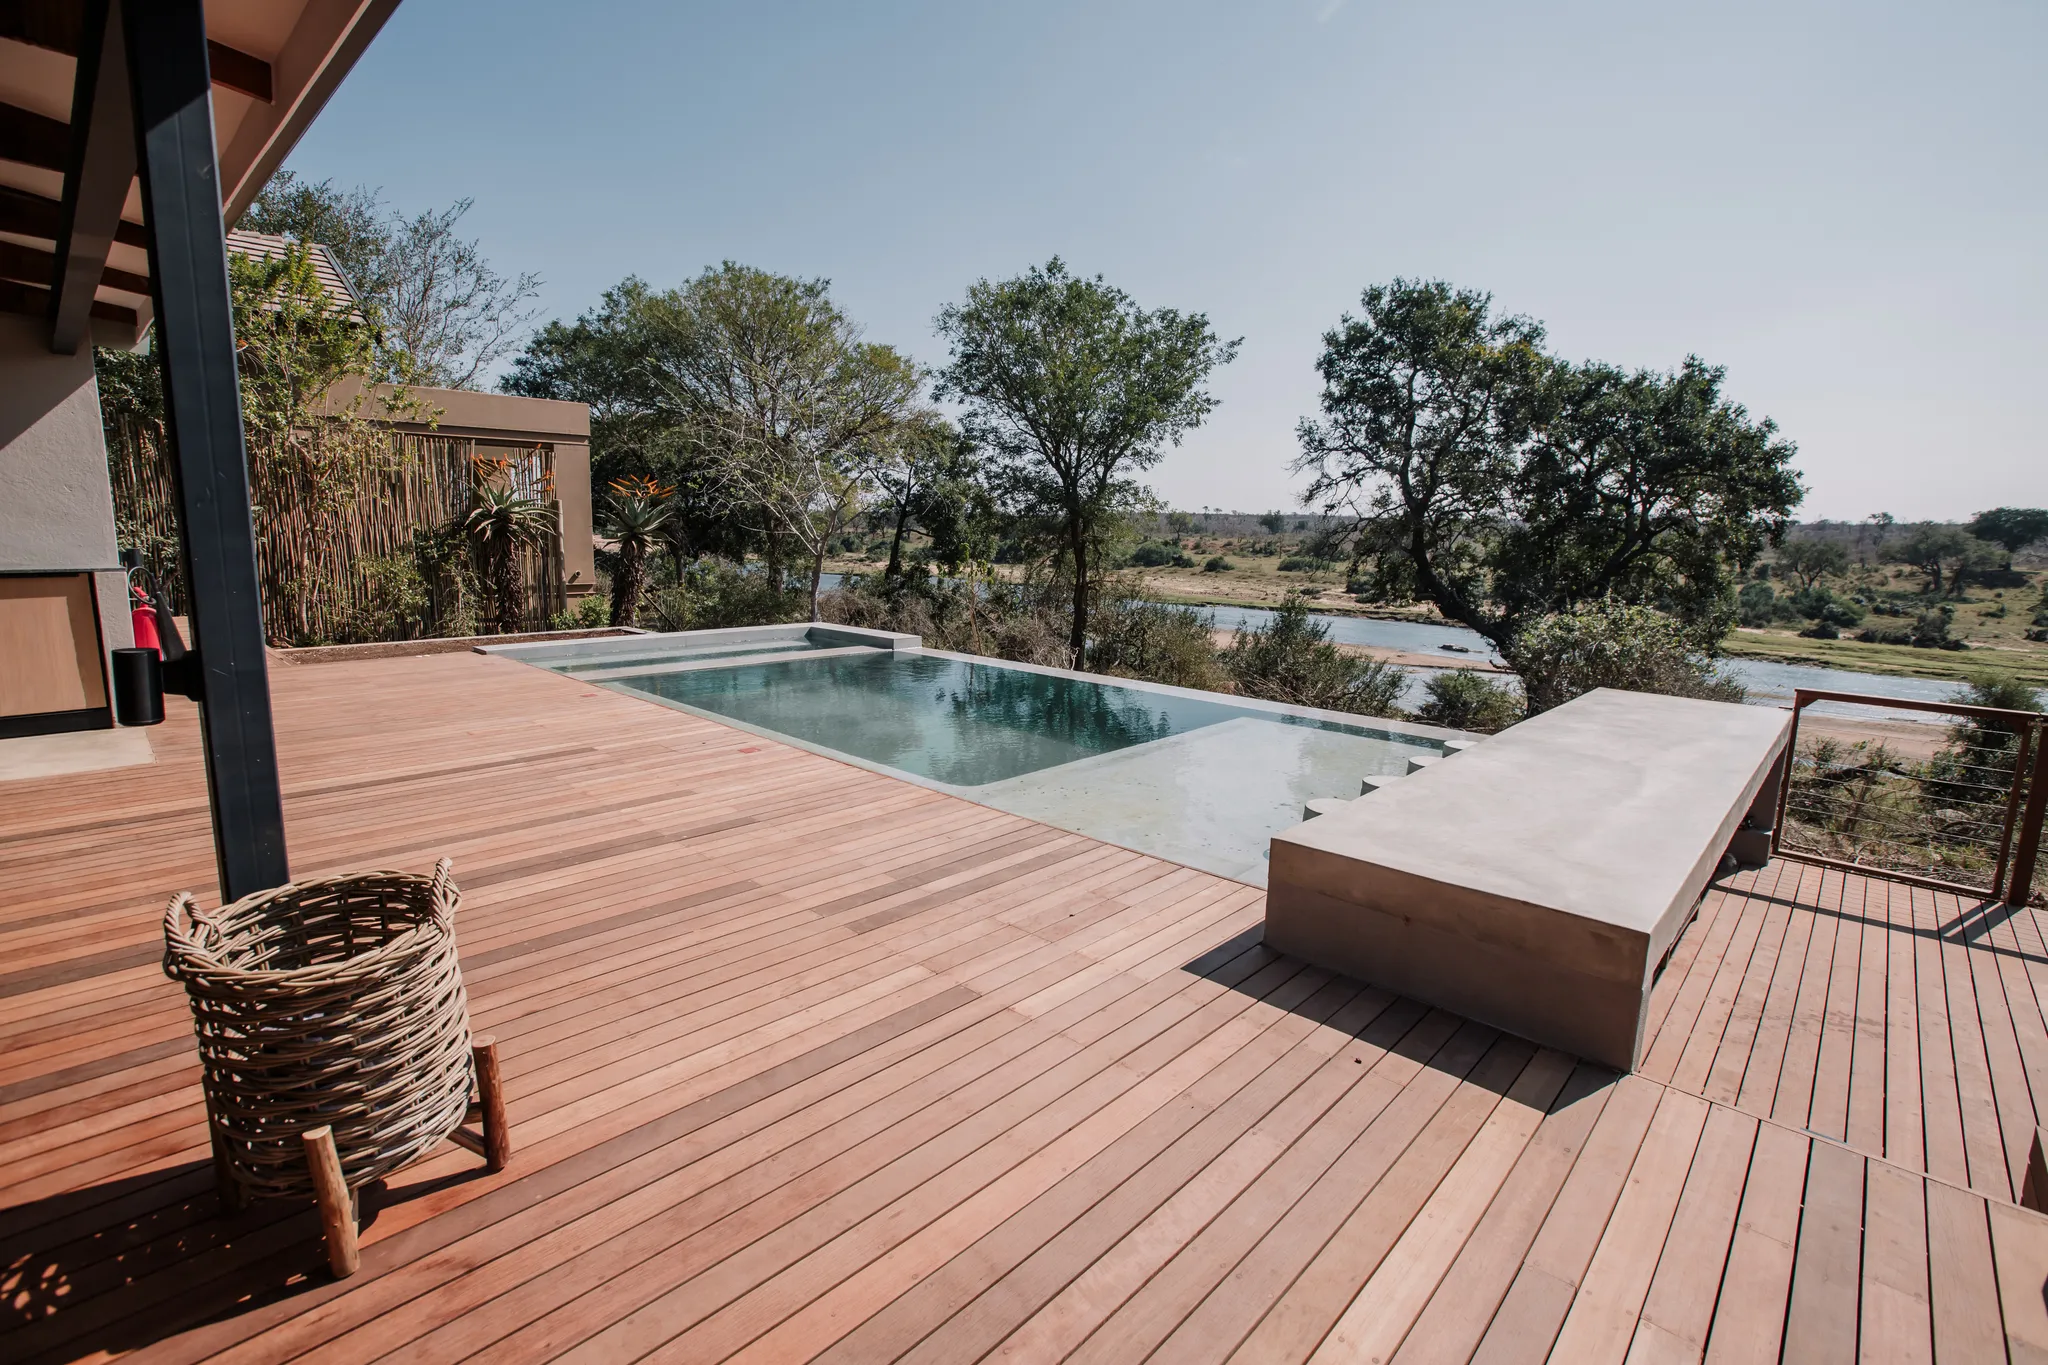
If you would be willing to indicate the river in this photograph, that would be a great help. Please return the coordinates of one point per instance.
(1769, 684)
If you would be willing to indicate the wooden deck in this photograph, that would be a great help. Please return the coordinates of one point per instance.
(809, 1063)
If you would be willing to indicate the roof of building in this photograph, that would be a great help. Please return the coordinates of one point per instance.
(270, 246)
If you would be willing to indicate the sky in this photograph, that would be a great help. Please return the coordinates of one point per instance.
(1843, 204)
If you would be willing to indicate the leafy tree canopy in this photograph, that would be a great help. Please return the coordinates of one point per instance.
(440, 313)
(1812, 559)
(2015, 528)
(1074, 389)
(787, 408)
(1475, 470)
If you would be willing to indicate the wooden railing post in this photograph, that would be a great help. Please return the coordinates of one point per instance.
(2019, 882)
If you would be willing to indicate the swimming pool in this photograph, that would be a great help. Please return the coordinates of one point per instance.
(1195, 777)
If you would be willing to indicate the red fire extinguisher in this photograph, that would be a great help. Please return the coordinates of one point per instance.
(143, 616)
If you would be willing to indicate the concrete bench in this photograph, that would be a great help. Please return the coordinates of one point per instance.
(1537, 883)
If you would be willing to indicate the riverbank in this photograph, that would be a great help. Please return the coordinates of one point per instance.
(1899, 661)
(1406, 658)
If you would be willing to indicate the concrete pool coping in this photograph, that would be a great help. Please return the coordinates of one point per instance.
(588, 650)
(1363, 727)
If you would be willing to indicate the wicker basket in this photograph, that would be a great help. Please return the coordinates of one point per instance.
(329, 1003)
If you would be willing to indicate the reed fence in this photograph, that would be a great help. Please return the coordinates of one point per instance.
(377, 562)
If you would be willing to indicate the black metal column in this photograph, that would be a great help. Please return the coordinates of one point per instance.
(195, 343)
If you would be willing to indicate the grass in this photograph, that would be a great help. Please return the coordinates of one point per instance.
(1902, 661)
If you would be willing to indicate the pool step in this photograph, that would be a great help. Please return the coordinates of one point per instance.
(692, 665)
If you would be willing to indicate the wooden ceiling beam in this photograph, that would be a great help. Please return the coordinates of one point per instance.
(34, 139)
(96, 184)
(33, 265)
(31, 215)
(53, 26)
(35, 302)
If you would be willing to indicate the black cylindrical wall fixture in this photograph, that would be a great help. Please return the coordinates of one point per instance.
(138, 687)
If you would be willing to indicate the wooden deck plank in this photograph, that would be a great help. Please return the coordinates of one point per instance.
(1896, 1327)
(1679, 1309)
(1749, 1319)
(1604, 1313)
(952, 1085)
(1460, 1311)
(1820, 1321)
(1968, 1324)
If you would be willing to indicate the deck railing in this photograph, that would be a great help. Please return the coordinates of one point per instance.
(1959, 809)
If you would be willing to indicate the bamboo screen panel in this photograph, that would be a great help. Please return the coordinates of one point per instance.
(318, 566)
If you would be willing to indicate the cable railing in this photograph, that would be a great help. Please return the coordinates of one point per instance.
(1958, 808)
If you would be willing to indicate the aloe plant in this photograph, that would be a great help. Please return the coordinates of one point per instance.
(498, 524)
(636, 523)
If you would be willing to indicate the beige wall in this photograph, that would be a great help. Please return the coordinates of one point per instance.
(56, 506)
(508, 418)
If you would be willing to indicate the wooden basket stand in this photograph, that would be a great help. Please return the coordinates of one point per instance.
(334, 1036)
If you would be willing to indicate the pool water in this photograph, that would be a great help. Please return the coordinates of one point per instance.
(960, 723)
(1199, 781)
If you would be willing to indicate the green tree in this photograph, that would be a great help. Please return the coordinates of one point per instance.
(439, 312)
(1813, 559)
(2015, 528)
(1074, 389)
(1274, 522)
(1503, 485)
(604, 359)
(788, 409)
(1945, 554)
(927, 476)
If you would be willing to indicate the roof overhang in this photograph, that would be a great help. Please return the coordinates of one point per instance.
(73, 246)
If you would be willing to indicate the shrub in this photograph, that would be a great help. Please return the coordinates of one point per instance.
(1822, 630)
(591, 613)
(1818, 604)
(1612, 644)
(1137, 639)
(1463, 699)
(1024, 622)
(1304, 564)
(1930, 631)
(714, 593)
(1292, 660)
(1217, 564)
(1757, 604)
(396, 604)
(1153, 555)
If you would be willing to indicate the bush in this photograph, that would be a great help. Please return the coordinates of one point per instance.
(1611, 644)
(1153, 555)
(591, 613)
(1818, 604)
(1292, 660)
(1463, 699)
(1757, 605)
(1305, 564)
(1023, 622)
(1930, 631)
(1822, 630)
(396, 604)
(714, 594)
(1218, 564)
(1138, 639)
